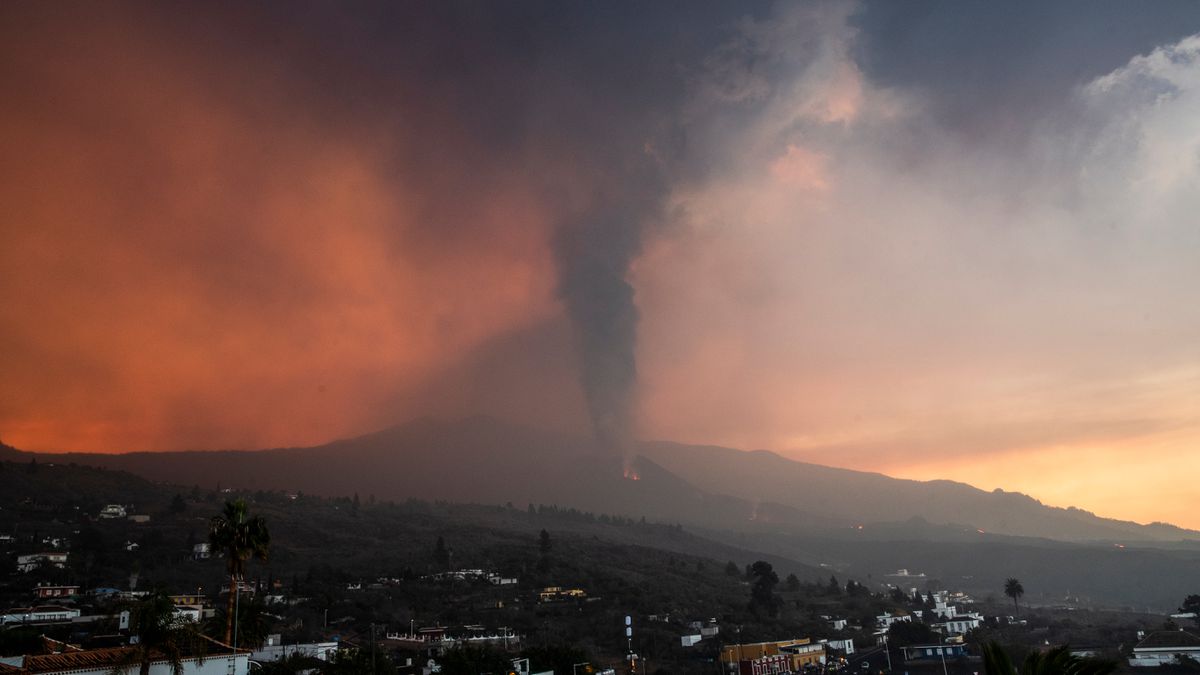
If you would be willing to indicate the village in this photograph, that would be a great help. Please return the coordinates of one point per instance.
(506, 618)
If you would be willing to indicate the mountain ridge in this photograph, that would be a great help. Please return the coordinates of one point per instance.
(707, 485)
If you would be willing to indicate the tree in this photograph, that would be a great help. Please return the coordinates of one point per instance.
(293, 664)
(1014, 590)
(762, 588)
(1191, 604)
(239, 537)
(474, 660)
(793, 583)
(178, 505)
(252, 625)
(731, 569)
(543, 564)
(557, 657)
(441, 554)
(905, 633)
(358, 661)
(1056, 661)
(835, 588)
(161, 636)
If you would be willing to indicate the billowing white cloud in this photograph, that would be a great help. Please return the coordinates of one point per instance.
(854, 285)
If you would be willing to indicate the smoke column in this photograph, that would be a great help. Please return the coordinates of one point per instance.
(594, 253)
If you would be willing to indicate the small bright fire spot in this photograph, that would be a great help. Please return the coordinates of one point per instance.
(980, 531)
(858, 527)
(631, 474)
(1119, 545)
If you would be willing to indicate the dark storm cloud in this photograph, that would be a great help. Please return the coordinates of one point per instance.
(994, 70)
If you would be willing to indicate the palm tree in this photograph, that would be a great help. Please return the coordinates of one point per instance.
(1014, 590)
(161, 635)
(252, 624)
(240, 537)
(1056, 661)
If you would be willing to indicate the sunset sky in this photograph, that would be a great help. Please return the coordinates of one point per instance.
(935, 240)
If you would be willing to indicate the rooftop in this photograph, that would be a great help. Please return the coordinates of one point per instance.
(1169, 638)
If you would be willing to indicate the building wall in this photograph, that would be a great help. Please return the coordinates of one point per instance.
(759, 658)
(1159, 656)
(213, 665)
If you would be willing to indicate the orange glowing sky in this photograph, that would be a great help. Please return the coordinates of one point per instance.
(263, 227)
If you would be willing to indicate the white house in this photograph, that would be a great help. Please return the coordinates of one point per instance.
(41, 614)
(885, 621)
(837, 624)
(189, 613)
(30, 562)
(959, 624)
(844, 646)
(201, 551)
(113, 511)
(1163, 646)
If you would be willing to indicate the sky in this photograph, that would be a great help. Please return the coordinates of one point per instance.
(931, 239)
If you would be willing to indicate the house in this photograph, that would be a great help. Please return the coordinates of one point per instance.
(30, 562)
(885, 621)
(837, 624)
(46, 591)
(102, 662)
(112, 511)
(959, 624)
(189, 613)
(201, 552)
(770, 658)
(927, 653)
(139, 518)
(556, 593)
(1162, 647)
(132, 546)
(40, 614)
(274, 650)
(243, 586)
(189, 599)
(844, 646)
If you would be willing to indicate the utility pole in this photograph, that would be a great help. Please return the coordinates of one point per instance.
(237, 597)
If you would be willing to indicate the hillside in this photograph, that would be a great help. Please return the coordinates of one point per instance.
(856, 497)
(480, 459)
(314, 533)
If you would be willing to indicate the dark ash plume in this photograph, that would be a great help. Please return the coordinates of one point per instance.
(594, 254)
